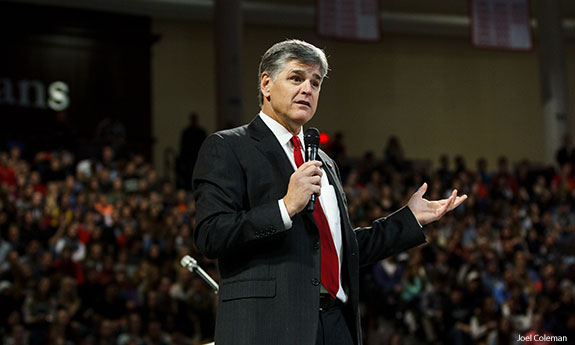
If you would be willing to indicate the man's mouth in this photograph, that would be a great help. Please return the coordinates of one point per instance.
(304, 103)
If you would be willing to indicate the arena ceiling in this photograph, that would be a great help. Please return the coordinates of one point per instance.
(444, 18)
(203, 9)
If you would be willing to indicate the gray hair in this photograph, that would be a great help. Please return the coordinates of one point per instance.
(275, 59)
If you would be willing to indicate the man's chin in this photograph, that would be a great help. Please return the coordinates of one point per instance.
(302, 116)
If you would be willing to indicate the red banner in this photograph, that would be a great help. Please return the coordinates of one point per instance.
(355, 20)
(501, 24)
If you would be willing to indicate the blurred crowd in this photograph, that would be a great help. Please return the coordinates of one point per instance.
(501, 265)
(89, 254)
(90, 250)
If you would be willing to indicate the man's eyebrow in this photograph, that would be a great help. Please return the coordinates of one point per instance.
(303, 73)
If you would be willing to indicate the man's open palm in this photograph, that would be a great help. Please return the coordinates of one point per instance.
(429, 211)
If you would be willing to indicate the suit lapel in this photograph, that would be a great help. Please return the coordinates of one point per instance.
(339, 193)
(331, 174)
(267, 143)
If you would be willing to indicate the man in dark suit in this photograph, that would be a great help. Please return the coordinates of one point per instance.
(289, 276)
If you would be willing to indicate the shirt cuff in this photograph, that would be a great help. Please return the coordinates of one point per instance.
(285, 215)
(418, 223)
(417, 220)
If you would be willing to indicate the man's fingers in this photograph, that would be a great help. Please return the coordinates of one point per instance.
(443, 202)
(311, 169)
(458, 201)
(304, 182)
(452, 197)
(317, 190)
(317, 172)
(449, 204)
(311, 163)
(450, 201)
(316, 180)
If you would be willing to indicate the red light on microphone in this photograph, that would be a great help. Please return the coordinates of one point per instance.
(323, 138)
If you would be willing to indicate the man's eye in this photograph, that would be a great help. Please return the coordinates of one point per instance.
(296, 78)
(315, 84)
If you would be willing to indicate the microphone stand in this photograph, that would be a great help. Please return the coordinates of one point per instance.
(191, 265)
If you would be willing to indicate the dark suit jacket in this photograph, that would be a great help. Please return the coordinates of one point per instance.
(269, 276)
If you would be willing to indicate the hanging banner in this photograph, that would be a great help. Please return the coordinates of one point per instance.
(353, 20)
(501, 24)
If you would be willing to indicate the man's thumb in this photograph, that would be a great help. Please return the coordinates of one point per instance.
(421, 191)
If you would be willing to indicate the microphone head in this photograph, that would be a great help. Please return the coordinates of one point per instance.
(188, 261)
(311, 137)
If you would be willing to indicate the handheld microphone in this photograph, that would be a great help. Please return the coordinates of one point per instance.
(191, 264)
(311, 139)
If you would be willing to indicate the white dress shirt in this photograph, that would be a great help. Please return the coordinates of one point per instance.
(327, 198)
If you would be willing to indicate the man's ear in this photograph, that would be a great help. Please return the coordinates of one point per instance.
(266, 84)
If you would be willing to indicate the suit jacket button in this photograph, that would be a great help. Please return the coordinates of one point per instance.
(316, 246)
(315, 282)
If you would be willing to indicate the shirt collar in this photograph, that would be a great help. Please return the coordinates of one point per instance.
(280, 132)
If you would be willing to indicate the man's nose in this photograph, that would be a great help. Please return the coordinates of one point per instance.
(306, 87)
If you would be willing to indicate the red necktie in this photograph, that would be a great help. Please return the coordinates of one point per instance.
(329, 260)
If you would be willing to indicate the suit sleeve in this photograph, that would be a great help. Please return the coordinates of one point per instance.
(387, 236)
(224, 220)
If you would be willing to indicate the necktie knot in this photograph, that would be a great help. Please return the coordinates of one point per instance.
(295, 142)
(298, 157)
